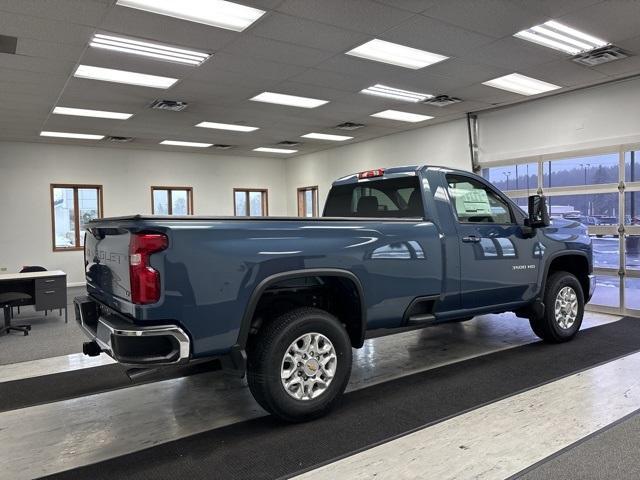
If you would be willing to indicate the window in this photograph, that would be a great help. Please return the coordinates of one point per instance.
(250, 202)
(308, 202)
(590, 170)
(474, 202)
(391, 198)
(172, 200)
(72, 206)
(513, 177)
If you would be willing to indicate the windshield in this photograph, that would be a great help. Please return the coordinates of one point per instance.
(386, 198)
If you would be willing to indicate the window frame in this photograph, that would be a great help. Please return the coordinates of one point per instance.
(169, 200)
(75, 187)
(302, 201)
(491, 188)
(264, 196)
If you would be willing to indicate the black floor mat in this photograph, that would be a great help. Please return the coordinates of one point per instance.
(86, 381)
(265, 448)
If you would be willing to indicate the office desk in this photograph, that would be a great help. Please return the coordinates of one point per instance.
(48, 290)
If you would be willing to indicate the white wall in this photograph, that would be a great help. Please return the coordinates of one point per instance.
(595, 117)
(443, 144)
(28, 169)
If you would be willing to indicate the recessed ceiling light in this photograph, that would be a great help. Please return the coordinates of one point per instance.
(81, 136)
(521, 84)
(82, 112)
(290, 100)
(148, 49)
(274, 150)
(396, 93)
(123, 76)
(395, 54)
(227, 126)
(178, 143)
(326, 136)
(217, 13)
(560, 37)
(402, 116)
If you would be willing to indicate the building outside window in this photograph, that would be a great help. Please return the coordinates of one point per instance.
(172, 200)
(72, 206)
(308, 201)
(250, 202)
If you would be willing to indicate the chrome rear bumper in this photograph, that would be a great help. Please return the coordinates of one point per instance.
(128, 343)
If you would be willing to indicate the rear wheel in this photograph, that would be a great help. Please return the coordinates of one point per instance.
(564, 308)
(299, 364)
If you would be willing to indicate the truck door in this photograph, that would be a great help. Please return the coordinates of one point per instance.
(499, 262)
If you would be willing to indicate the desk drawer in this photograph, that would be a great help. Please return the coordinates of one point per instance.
(51, 298)
(51, 283)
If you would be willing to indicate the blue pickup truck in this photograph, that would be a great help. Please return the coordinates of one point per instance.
(286, 299)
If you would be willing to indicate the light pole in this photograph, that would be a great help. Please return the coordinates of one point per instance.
(585, 166)
(507, 174)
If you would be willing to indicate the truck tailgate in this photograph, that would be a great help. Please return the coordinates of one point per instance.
(107, 261)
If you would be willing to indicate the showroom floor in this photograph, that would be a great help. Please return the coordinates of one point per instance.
(480, 399)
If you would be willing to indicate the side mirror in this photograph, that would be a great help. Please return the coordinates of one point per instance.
(538, 213)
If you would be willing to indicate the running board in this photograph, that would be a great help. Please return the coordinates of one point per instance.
(415, 322)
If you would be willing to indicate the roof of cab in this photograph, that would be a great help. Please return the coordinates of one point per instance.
(393, 172)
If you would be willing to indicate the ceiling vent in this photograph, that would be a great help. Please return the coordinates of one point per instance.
(606, 54)
(288, 143)
(114, 139)
(441, 101)
(349, 126)
(172, 105)
(8, 44)
(222, 146)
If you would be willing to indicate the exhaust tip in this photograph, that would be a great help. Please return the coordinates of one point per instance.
(91, 349)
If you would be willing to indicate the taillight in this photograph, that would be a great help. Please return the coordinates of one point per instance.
(145, 280)
(378, 172)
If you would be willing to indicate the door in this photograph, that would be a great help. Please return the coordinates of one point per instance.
(499, 260)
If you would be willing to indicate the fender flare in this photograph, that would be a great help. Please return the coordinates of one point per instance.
(245, 326)
(554, 256)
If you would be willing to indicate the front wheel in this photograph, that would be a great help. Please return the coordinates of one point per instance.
(299, 364)
(564, 308)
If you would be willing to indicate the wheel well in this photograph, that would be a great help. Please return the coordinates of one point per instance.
(339, 295)
(575, 264)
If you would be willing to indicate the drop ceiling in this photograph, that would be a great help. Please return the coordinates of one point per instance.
(297, 48)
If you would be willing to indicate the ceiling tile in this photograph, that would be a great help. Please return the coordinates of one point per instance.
(565, 73)
(249, 46)
(254, 67)
(554, 8)
(326, 78)
(513, 54)
(415, 6)
(359, 15)
(24, 26)
(84, 12)
(38, 48)
(497, 18)
(36, 64)
(299, 31)
(435, 36)
(611, 20)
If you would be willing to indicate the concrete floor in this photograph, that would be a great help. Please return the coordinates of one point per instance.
(58, 436)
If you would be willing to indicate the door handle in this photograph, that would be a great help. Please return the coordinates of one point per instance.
(471, 239)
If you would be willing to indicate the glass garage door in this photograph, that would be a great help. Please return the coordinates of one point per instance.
(602, 191)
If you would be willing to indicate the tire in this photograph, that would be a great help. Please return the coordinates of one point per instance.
(561, 326)
(266, 363)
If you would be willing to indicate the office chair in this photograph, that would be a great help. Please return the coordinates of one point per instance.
(8, 300)
(30, 269)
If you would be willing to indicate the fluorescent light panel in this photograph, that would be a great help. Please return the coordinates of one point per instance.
(148, 49)
(81, 136)
(396, 93)
(178, 143)
(395, 54)
(274, 150)
(217, 13)
(123, 76)
(227, 126)
(82, 112)
(326, 136)
(555, 35)
(289, 100)
(521, 84)
(402, 116)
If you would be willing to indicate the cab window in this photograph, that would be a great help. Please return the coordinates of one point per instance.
(474, 202)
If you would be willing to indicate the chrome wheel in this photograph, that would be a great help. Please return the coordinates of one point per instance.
(308, 366)
(566, 308)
